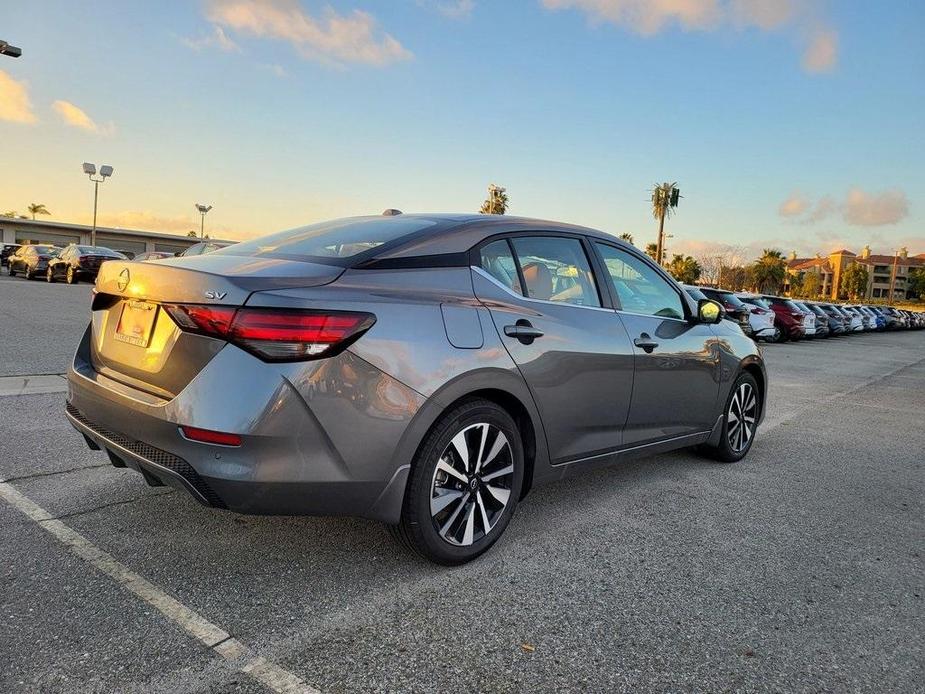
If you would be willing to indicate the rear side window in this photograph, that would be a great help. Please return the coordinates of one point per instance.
(342, 238)
(556, 269)
(498, 261)
(639, 287)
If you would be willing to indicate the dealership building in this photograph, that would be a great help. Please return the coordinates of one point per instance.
(17, 230)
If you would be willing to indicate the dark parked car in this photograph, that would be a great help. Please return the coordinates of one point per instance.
(734, 307)
(79, 262)
(838, 323)
(153, 255)
(30, 260)
(6, 250)
(422, 370)
(823, 329)
(202, 247)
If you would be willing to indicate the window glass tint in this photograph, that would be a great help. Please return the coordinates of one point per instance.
(498, 261)
(639, 287)
(556, 269)
(341, 238)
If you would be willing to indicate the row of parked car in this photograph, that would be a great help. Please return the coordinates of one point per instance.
(778, 319)
(76, 262)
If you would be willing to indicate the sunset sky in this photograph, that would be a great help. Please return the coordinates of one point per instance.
(798, 125)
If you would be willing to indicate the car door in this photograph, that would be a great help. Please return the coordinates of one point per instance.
(576, 359)
(676, 358)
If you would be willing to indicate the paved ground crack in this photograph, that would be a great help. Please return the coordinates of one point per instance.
(35, 475)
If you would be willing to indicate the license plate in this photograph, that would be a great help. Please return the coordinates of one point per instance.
(136, 322)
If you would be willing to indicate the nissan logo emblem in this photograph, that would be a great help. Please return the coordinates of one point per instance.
(124, 278)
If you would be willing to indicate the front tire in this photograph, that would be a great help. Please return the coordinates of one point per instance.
(464, 485)
(49, 276)
(740, 421)
(71, 275)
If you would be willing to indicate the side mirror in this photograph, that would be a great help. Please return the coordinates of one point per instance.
(709, 311)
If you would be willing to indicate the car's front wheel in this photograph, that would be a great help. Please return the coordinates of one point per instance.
(464, 484)
(71, 275)
(740, 421)
(49, 275)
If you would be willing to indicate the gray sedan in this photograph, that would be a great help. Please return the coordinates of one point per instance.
(423, 370)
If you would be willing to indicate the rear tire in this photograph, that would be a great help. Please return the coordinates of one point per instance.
(49, 276)
(469, 468)
(743, 403)
(71, 275)
(10, 271)
(27, 273)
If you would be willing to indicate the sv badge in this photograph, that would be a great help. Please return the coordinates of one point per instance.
(216, 295)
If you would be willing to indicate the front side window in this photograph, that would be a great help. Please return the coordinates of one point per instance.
(639, 287)
(556, 269)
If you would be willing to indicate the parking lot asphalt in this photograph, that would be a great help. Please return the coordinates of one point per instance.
(798, 569)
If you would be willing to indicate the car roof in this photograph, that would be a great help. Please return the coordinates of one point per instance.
(456, 233)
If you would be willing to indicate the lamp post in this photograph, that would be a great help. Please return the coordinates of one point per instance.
(105, 172)
(203, 209)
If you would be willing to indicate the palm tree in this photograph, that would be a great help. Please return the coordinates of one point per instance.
(652, 251)
(626, 236)
(684, 269)
(8, 213)
(497, 201)
(769, 271)
(664, 199)
(38, 208)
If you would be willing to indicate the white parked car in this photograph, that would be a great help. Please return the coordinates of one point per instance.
(760, 317)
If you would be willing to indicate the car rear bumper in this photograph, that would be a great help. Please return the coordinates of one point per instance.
(317, 437)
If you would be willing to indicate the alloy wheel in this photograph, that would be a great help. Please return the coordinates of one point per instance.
(471, 486)
(741, 417)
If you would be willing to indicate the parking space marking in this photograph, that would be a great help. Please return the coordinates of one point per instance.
(211, 635)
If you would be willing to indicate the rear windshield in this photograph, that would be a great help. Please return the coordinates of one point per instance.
(756, 301)
(342, 238)
(695, 293)
(98, 250)
(729, 298)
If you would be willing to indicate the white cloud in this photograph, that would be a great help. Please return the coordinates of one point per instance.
(14, 101)
(334, 38)
(875, 209)
(822, 52)
(217, 39)
(454, 9)
(78, 118)
(793, 206)
(648, 17)
(859, 208)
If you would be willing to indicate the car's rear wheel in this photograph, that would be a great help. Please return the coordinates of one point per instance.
(740, 421)
(27, 273)
(71, 275)
(49, 276)
(464, 484)
(10, 271)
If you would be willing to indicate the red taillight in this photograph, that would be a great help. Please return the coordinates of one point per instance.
(209, 436)
(274, 334)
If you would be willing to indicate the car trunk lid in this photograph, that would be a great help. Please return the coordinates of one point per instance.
(135, 341)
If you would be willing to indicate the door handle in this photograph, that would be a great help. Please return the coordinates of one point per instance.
(523, 331)
(645, 343)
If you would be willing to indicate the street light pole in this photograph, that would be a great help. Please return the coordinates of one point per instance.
(105, 172)
(203, 209)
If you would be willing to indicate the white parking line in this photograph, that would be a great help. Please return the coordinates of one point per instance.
(213, 636)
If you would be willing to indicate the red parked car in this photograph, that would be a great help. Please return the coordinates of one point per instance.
(787, 318)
